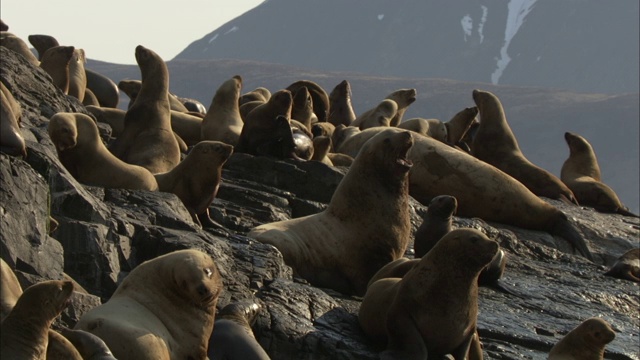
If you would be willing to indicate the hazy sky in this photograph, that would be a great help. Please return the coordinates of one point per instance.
(109, 30)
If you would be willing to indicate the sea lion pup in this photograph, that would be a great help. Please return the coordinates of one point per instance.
(196, 179)
(16, 44)
(436, 223)
(380, 115)
(24, 331)
(11, 140)
(302, 108)
(321, 104)
(586, 342)
(164, 309)
(341, 110)
(495, 144)
(321, 147)
(413, 322)
(403, 98)
(147, 139)
(581, 173)
(247, 107)
(459, 124)
(232, 337)
(55, 62)
(223, 121)
(88, 345)
(627, 266)
(365, 226)
(81, 151)
(257, 94)
(77, 75)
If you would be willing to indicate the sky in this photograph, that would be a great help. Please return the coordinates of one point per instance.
(110, 30)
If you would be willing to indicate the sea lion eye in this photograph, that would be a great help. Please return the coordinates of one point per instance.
(208, 272)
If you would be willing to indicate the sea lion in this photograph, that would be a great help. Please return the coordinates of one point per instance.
(55, 62)
(481, 189)
(90, 98)
(419, 125)
(42, 43)
(164, 309)
(413, 322)
(223, 121)
(88, 345)
(403, 98)
(193, 105)
(495, 144)
(321, 147)
(459, 124)
(24, 331)
(257, 94)
(11, 140)
(581, 173)
(365, 226)
(232, 337)
(341, 110)
(196, 179)
(321, 105)
(341, 134)
(380, 115)
(247, 107)
(77, 75)
(16, 44)
(627, 266)
(340, 159)
(10, 289)
(302, 108)
(303, 143)
(436, 223)
(132, 89)
(323, 129)
(586, 342)
(103, 88)
(83, 154)
(265, 132)
(147, 139)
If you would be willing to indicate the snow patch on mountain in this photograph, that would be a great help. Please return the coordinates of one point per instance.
(483, 19)
(517, 11)
(235, 28)
(213, 38)
(467, 26)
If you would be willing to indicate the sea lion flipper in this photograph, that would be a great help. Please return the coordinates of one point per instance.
(568, 232)
(405, 342)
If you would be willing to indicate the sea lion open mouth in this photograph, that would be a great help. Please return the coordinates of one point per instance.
(403, 161)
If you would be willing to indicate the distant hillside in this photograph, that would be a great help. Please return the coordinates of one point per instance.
(539, 117)
(577, 45)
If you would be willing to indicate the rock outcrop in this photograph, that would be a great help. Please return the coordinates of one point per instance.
(104, 233)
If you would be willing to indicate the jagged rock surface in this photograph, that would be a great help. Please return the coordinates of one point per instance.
(104, 233)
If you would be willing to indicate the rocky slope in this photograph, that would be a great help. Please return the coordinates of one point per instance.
(103, 234)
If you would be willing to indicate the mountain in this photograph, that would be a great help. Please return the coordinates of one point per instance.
(538, 116)
(577, 45)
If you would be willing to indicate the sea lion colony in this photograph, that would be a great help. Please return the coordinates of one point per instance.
(389, 163)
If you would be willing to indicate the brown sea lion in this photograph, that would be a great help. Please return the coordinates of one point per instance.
(16, 44)
(436, 223)
(321, 147)
(413, 322)
(341, 110)
(342, 134)
(323, 129)
(90, 98)
(77, 75)
(42, 43)
(419, 125)
(83, 154)
(24, 332)
(257, 94)
(89, 346)
(147, 139)
(495, 144)
(232, 337)
(223, 121)
(132, 89)
(10, 289)
(55, 62)
(11, 140)
(627, 266)
(365, 226)
(403, 98)
(302, 108)
(321, 105)
(196, 179)
(581, 173)
(586, 342)
(459, 124)
(164, 309)
(380, 115)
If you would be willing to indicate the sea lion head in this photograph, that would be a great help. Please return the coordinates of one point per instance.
(323, 129)
(443, 206)
(466, 245)
(392, 156)
(385, 110)
(63, 131)
(596, 331)
(208, 149)
(195, 273)
(403, 97)
(47, 299)
(577, 143)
